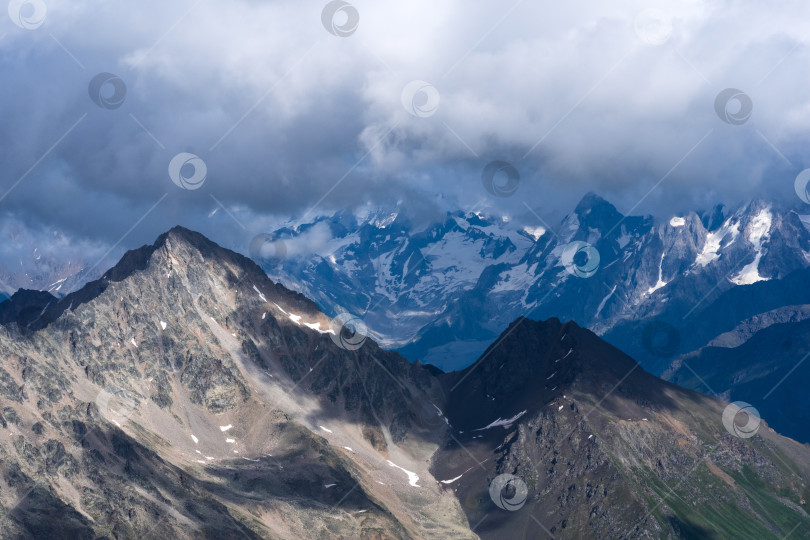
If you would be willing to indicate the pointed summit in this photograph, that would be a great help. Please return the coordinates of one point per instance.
(590, 202)
(175, 252)
(531, 364)
(594, 212)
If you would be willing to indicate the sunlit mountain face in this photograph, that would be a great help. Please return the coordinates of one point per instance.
(414, 270)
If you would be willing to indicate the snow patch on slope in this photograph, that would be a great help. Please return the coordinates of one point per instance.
(535, 232)
(505, 423)
(711, 248)
(264, 299)
(661, 282)
(605, 299)
(758, 230)
(413, 478)
(317, 327)
(451, 480)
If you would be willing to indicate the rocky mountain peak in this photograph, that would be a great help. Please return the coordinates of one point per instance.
(592, 201)
(26, 296)
(180, 253)
(24, 306)
(529, 365)
(180, 240)
(595, 212)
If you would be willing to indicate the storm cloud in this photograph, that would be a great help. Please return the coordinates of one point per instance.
(301, 108)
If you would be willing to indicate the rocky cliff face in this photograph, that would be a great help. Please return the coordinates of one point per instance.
(186, 395)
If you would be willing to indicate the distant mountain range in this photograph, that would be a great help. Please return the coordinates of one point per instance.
(43, 270)
(186, 395)
(441, 294)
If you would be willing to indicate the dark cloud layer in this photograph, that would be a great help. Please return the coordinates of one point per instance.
(291, 120)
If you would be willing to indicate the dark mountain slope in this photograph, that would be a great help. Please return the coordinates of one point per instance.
(606, 450)
(770, 370)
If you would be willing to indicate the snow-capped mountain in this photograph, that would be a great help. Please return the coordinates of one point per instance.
(377, 265)
(441, 294)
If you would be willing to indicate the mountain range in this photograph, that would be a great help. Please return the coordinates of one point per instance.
(659, 291)
(29, 267)
(185, 394)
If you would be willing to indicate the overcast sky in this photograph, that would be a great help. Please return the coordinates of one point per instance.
(300, 108)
